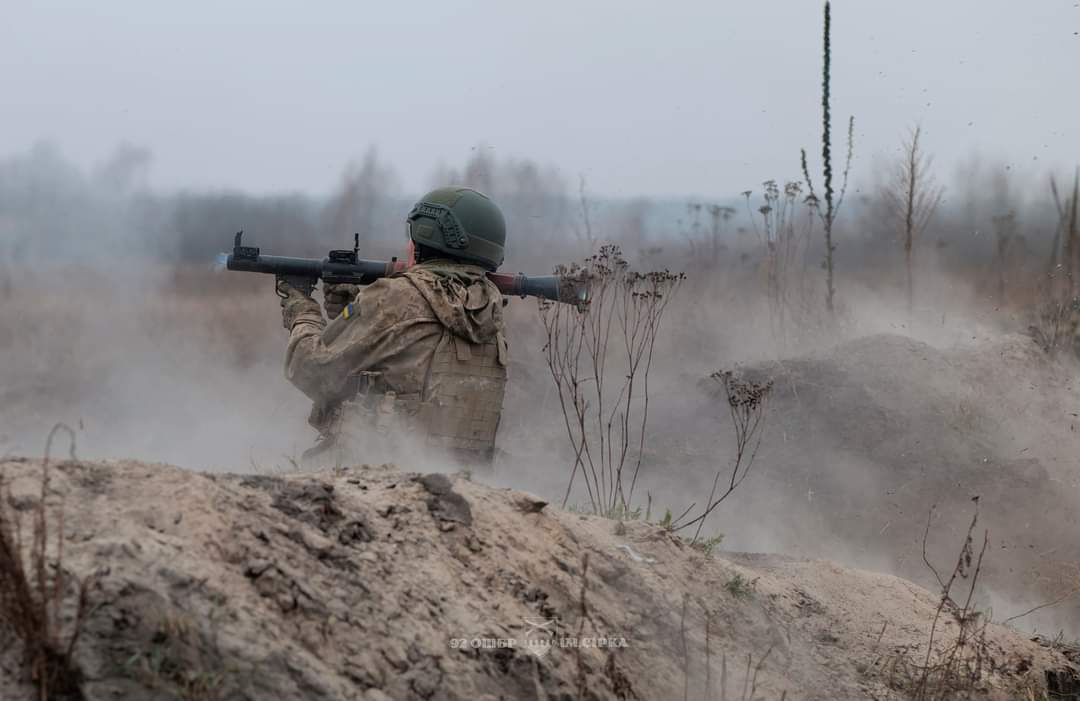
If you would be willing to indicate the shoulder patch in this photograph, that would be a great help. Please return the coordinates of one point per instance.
(348, 312)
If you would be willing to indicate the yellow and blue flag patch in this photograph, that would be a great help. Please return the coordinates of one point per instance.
(347, 312)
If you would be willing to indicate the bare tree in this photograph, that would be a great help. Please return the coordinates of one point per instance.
(364, 187)
(913, 196)
(480, 170)
(585, 233)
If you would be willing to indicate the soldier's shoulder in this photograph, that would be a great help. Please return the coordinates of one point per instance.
(394, 285)
(396, 294)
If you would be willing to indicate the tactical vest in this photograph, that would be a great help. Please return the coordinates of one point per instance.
(456, 415)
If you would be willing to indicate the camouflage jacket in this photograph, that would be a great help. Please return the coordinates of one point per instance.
(394, 326)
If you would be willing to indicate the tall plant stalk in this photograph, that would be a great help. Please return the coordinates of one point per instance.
(826, 158)
(832, 199)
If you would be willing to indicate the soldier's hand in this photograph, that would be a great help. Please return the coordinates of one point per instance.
(335, 297)
(294, 303)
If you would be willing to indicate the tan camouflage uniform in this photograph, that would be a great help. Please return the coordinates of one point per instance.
(421, 358)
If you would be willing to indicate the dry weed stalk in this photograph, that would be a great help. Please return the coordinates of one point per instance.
(781, 243)
(31, 596)
(749, 688)
(720, 216)
(600, 357)
(747, 401)
(953, 669)
(693, 235)
(750, 678)
(706, 247)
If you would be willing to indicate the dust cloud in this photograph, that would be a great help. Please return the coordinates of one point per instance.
(114, 321)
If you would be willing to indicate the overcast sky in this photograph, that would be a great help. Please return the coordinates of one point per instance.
(660, 98)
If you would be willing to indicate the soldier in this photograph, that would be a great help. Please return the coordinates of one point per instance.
(422, 354)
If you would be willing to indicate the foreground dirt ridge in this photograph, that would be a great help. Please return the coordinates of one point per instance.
(371, 583)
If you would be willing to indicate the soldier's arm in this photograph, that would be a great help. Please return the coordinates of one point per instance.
(384, 320)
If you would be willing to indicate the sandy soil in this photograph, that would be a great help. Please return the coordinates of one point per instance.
(372, 583)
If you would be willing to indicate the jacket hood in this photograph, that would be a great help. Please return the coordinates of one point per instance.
(462, 297)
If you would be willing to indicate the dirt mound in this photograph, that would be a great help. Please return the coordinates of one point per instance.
(862, 441)
(370, 583)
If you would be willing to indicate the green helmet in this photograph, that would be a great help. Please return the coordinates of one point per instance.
(462, 223)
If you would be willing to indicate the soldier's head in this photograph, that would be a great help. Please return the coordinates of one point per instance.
(458, 223)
